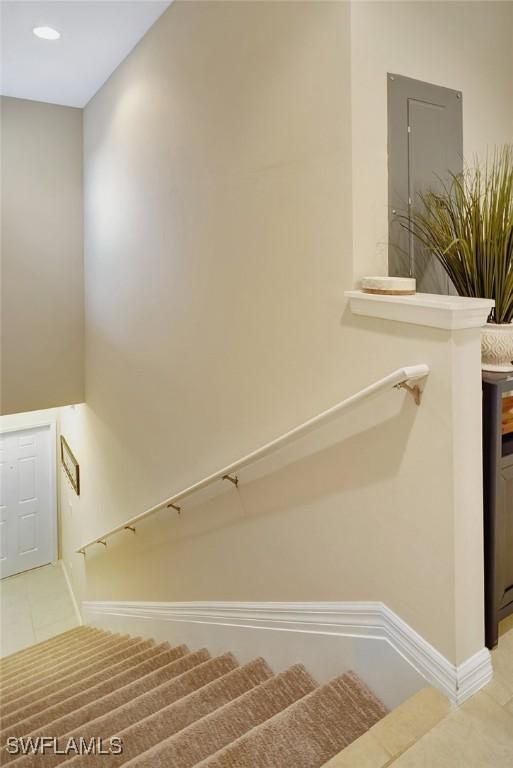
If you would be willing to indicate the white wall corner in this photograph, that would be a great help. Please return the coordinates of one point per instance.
(473, 674)
(359, 635)
(457, 682)
(447, 312)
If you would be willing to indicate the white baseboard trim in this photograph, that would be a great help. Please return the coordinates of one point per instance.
(358, 623)
(71, 593)
(457, 682)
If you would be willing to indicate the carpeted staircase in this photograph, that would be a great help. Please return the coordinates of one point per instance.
(172, 708)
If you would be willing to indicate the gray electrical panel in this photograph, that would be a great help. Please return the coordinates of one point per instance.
(425, 143)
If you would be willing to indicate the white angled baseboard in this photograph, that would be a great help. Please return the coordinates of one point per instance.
(457, 682)
(328, 638)
(70, 590)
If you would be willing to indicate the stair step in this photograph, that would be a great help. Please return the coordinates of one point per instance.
(38, 714)
(64, 674)
(305, 735)
(50, 655)
(396, 732)
(364, 705)
(411, 720)
(81, 675)
(169, 720)
(211, 733)
(9, 662)
(49, 651)
(173, 673)
(61, 661)
(103, 718)
(172, 707)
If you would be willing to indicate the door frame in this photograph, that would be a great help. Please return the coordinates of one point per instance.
(52, 427)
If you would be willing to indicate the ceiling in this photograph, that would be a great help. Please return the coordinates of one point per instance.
(95, 37)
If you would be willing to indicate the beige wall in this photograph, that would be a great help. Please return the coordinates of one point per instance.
(467, 46)
(219, 239)
(42, 256)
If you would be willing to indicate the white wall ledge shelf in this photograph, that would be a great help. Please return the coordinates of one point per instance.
(448, 312)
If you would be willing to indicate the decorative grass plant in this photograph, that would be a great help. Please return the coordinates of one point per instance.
(468, 226)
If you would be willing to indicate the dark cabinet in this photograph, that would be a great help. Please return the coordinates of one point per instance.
(498, 501)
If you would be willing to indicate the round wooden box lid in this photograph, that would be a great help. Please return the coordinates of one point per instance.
(389, 286)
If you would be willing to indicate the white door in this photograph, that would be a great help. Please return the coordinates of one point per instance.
(27, 499)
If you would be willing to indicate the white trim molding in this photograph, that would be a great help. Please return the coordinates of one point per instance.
(456, 682)
(449, 312)
(71, 592)
(356, 622)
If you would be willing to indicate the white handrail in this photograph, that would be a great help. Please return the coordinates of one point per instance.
(399, 378)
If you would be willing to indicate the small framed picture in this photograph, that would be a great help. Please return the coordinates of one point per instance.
(71, 465)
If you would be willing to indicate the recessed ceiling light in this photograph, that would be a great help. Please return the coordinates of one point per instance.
(46, 33)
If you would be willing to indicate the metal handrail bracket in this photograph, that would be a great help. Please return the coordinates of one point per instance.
(402, 378)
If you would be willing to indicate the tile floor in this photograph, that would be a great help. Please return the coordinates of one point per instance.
(425, 732)
(34, 606)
